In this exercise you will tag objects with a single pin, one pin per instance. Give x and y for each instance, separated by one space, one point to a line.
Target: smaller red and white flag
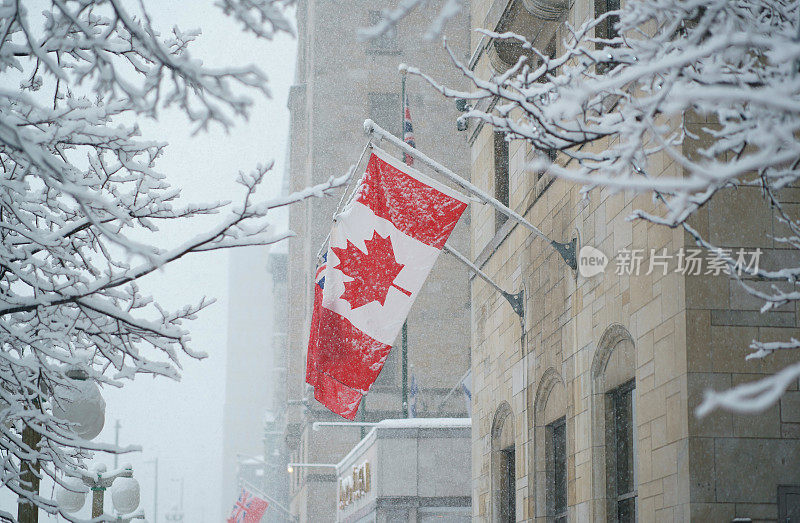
248 509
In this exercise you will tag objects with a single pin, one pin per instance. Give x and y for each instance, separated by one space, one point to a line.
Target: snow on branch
81 200
263 18
751 398
392 17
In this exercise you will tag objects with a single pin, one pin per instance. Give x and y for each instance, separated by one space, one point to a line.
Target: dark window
384 110
789 503
500 177
607 29
508 496
550 52
387 42
691 23
536 153
557 470
549 153
622 446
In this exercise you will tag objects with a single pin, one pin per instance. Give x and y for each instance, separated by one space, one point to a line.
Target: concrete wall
737 462
415 466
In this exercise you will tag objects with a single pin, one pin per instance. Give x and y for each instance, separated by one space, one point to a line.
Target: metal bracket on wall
567 251
517 301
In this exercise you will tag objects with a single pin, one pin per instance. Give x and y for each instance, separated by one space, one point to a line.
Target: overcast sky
181 423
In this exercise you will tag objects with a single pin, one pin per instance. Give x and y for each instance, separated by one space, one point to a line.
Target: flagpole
271 500
515 300
447 397
566 250
404 336
363 415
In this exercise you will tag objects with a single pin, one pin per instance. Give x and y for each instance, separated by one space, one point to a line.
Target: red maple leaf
373 272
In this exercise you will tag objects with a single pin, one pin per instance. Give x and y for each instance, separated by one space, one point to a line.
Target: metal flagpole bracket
567 251
517 301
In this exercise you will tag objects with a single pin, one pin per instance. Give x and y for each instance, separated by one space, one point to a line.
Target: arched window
504 470
550 449
614 425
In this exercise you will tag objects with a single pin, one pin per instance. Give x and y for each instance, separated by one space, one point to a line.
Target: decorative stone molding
552 10
612 339
549 379
538 420
536 20
502 438
501 414
614 334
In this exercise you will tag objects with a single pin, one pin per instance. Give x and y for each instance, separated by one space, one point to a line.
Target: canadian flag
381 249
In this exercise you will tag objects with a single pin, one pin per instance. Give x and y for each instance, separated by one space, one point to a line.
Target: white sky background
181 423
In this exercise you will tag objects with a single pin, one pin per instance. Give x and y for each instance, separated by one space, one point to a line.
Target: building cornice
540 18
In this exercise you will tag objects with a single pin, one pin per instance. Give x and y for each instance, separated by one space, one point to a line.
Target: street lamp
125 494
79 403
291 466
155 489
71 495
177 510
175 515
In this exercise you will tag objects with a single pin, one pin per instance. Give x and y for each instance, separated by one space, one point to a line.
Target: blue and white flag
412 398
466 388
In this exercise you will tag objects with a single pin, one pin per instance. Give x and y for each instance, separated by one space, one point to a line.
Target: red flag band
248 509
381 249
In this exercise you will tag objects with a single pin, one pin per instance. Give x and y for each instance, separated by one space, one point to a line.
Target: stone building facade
584 408
340 82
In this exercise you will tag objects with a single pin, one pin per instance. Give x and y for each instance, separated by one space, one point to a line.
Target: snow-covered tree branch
391 17
613 105
81 201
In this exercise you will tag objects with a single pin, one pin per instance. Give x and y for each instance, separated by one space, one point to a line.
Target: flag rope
440 408
244 483
339 207
515 300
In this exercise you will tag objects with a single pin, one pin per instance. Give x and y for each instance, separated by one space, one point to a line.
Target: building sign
355 486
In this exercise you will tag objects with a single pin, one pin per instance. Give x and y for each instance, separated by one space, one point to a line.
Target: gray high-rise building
340 82
250 350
